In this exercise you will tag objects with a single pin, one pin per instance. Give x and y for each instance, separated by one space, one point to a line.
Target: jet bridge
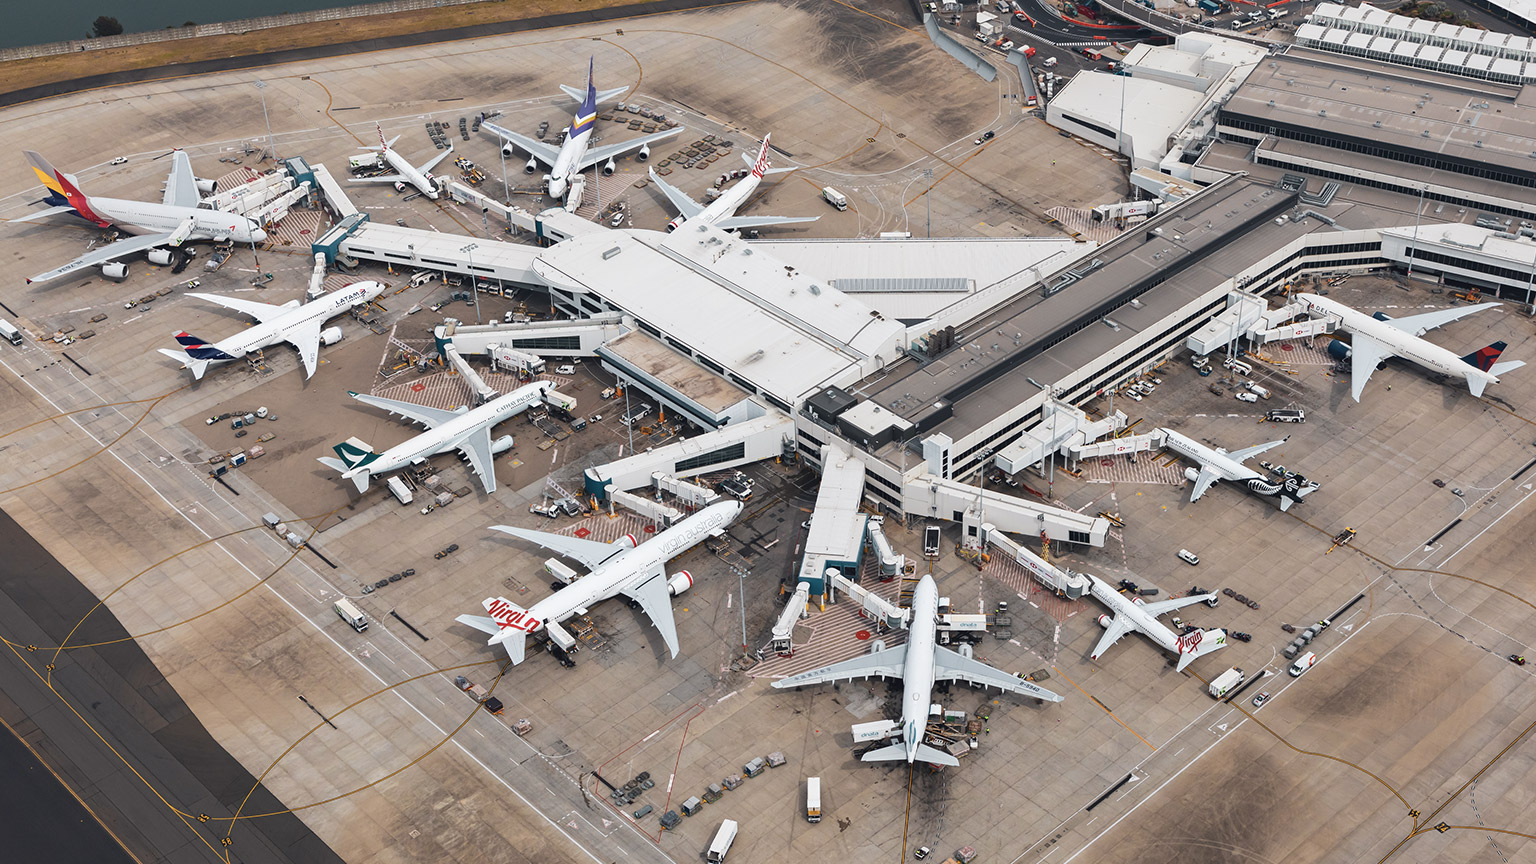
576 338
1125 446
783 631
1061 427
662 514
936 498
727 447
1063 582
695 495
483 391
884 612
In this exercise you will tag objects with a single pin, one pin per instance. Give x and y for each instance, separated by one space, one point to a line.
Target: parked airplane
469 432
1217 464
172 222
638 571
722 211
298 325
574 156
919 664
1379 337
1133 614
405 172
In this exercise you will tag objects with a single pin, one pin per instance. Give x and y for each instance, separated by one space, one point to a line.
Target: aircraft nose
258 235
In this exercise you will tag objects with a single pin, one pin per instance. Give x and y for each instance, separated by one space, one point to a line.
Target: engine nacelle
1382 316
159 256
399 186
1338 350
676 223
1104 621
681 581
532 166
207 187
1192 473
501 445
330 336
644 154
628 541
609 167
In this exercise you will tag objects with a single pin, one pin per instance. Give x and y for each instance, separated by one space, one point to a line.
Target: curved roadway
1045 22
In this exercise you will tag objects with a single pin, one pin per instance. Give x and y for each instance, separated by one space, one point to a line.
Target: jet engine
1104 621
206 187
501 445
644 154
681 581
330 336
532 166
1192 473
159 256
399 187
1338 350
609 167
628 540
676 223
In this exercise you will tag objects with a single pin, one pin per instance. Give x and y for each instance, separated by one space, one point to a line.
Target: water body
35 23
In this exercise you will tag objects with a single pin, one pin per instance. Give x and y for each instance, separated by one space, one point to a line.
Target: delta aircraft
576 154
1217 464
919 663
406 173
638 571
1379 337
722 211
170 223
299 325
1141 617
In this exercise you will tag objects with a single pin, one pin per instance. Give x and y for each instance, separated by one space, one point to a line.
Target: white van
722 842
1237 366
10 332
349 613
1188 557
422 277
1303 663
813 799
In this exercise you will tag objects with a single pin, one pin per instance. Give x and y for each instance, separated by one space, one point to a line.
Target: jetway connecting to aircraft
1065 583
1062 426
1248 317
483 391
576 338
937 498
1123 446
664 515
716 450
692 493
794 610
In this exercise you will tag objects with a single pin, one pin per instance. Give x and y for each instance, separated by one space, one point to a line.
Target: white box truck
722 842
1303 663
346 611
401 492
1226 682
10 331
835 198
813 799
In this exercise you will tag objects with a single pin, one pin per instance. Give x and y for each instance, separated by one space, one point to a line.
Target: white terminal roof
918 279
837 526
1150 112
782 330
1519 252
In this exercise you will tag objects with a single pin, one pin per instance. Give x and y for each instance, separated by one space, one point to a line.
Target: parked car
121 160
986 136
1247 397
1261 699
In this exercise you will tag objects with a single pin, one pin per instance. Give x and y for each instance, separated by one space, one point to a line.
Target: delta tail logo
1483 358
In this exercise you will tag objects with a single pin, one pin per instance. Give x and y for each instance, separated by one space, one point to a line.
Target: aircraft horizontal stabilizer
1498 369
479 622
198 367
893 753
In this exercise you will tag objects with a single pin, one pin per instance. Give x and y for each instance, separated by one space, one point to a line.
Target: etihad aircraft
722 211
919 663
299 325
468 432
1134 614
1217 464
638 571
406 173
170 223
576 154
1379 337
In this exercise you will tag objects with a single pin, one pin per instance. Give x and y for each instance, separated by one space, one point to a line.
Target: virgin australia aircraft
722 211
919 664
1142 617
621 567
406 173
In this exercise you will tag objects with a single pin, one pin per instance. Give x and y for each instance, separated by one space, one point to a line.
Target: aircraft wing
262 312
436 159
1364 355
681 201
181 186
878 664
952 666
306 338
652 595
734 222
610 151
51 211
476 447
109 252
590 553
428 417
1418 325
1118 626
1250 452
1203 482
382 178
1161 606
537 149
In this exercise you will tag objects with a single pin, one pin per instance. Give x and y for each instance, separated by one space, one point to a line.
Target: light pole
741 575
271 147
927 210
473 287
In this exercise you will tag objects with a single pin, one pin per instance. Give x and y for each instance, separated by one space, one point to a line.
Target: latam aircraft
722 211
638 571
1141 617
301 326
1217 464
576 154
170 223
1379 337
406 173
919 664
468 432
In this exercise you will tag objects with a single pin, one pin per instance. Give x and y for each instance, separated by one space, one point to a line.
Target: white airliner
1217 464
919 664
722 211
299 325
406 173
1142 617
639 572
172 222
1378 337
574 156
468 432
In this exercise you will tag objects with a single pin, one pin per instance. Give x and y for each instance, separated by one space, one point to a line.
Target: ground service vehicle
835 198
813 799
722 842
1286 415
11 333
1188 557
349 613
1224 683
1303 663
931 541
